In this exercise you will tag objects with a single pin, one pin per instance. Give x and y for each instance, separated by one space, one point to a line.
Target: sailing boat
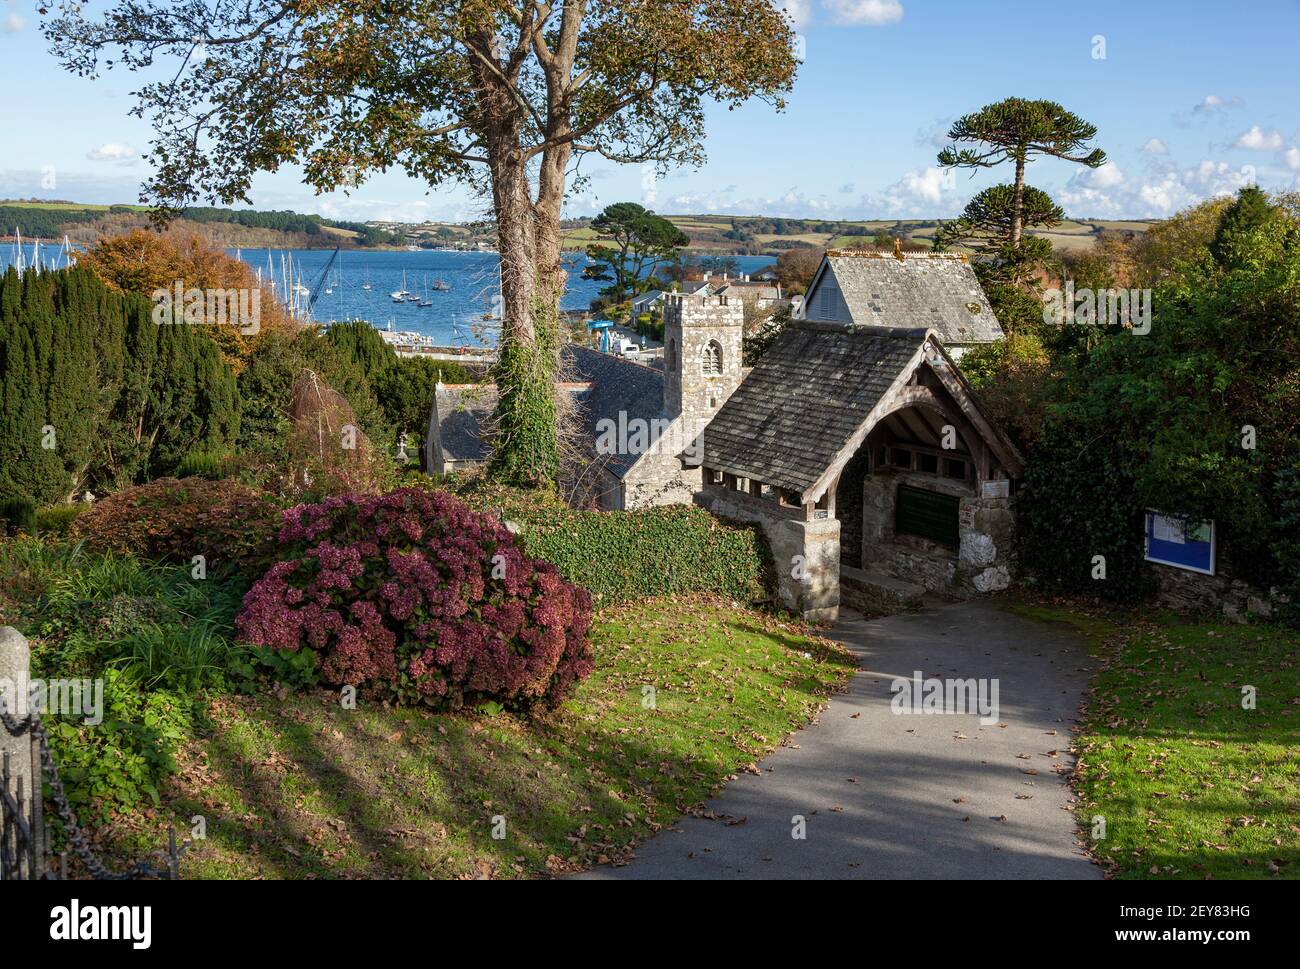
440 286
400 295
366 284
425 301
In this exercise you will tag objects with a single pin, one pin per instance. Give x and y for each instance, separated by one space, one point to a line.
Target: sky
1191 99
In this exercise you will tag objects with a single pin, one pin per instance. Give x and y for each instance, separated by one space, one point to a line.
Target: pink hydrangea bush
413 594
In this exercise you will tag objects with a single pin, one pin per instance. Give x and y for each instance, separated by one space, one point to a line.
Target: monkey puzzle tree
1013 130
988 224
503 95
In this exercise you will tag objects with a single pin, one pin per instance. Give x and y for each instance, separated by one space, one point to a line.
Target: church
855 443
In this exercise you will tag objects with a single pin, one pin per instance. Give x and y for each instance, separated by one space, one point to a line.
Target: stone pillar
987 532
814 592
15 674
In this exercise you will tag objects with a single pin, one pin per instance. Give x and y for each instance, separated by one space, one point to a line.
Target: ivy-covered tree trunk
526 450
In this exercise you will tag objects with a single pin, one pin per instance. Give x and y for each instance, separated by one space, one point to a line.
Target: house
859 449
934 290
653 301
759 296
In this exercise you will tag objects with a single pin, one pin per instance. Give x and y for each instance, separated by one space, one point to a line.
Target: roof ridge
914 333
905 256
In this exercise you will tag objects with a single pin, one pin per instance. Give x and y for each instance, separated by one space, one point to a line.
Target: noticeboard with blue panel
1180 542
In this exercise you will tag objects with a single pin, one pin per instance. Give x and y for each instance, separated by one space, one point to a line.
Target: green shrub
18 515
625 556
120 763
57 519
175 520
204 464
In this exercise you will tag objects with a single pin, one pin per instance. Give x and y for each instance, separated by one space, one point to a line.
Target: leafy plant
629 556
413 594
174 520
121 762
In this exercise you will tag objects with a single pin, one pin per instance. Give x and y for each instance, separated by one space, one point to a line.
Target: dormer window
712 362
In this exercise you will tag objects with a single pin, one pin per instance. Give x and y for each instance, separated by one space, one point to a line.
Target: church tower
702 354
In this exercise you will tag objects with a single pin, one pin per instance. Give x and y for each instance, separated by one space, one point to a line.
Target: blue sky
1191 99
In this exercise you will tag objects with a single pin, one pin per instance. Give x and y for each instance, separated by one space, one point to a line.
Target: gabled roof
934 290
816 393
648 297
807 395
462 410
604 386
617 386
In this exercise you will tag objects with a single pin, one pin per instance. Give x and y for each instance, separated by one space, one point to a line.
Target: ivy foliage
630 556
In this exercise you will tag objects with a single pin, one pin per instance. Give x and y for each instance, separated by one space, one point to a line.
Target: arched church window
713 359
670 356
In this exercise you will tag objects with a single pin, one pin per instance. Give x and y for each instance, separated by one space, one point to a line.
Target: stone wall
1222 594
806 554
659 478
986 530
987 527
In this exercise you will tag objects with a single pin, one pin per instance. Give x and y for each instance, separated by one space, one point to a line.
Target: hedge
621 556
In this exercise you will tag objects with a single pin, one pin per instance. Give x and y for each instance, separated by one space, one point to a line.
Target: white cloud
1155 147
1257 139
869 13
1213 102
13 23
114 151
1161 193
1292 158
1105 177
799 11
920 193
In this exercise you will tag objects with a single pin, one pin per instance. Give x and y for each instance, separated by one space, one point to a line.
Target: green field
706 232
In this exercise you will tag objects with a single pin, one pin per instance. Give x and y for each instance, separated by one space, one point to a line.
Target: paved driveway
920 796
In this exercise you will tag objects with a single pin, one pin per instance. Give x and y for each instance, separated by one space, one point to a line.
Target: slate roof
934 290
803 401
462 410
616 385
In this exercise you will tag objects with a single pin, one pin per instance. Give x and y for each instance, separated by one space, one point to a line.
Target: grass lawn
1190 784
298 787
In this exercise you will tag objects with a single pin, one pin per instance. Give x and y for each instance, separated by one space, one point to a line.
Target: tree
795 268
988 222
642 241
988 225
95 394
504 95
1248 211
1013 130
142 262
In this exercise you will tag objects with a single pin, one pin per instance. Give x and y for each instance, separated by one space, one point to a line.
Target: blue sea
464 314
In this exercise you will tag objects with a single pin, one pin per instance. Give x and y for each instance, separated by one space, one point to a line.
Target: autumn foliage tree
142 262
505 95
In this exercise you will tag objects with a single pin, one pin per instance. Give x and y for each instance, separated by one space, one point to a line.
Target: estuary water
465 313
